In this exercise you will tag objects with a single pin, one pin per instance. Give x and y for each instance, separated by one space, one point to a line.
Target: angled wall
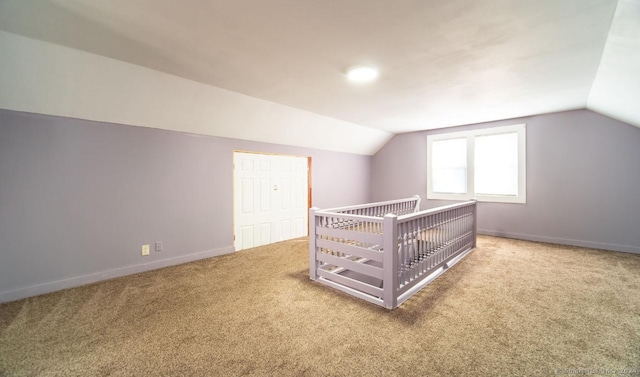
44 78
582 181
78 198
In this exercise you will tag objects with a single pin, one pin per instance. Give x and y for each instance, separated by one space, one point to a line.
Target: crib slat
352 292
355 284
444 265
365 269
373 239
350 250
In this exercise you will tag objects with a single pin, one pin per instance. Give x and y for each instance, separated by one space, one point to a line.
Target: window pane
496 164
449 166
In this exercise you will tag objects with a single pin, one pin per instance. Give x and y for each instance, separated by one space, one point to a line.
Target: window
450 166
487 165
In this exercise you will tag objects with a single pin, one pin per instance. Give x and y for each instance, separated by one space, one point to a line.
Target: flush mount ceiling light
362 73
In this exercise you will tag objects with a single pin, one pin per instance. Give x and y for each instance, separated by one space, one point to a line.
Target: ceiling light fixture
362 73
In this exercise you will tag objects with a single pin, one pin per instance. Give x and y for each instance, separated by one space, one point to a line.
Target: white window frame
521 197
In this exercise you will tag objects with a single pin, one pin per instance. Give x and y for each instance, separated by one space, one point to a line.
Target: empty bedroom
318 188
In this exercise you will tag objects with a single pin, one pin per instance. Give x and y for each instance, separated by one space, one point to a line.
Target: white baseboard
563 241
77 281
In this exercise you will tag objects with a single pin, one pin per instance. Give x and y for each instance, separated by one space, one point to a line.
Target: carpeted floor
511 308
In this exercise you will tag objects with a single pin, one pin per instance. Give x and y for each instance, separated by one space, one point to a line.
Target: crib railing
380 209
386 259
429 242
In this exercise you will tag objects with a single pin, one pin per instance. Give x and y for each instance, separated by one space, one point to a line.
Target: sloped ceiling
616 88
442 63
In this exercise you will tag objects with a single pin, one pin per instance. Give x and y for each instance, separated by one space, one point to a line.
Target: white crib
385 252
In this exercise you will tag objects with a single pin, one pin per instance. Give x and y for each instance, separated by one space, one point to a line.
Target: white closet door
270 198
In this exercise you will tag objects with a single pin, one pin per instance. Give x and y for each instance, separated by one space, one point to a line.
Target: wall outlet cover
159 246
145 249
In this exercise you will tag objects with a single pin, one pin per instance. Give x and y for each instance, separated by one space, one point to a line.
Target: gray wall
583 180
79 198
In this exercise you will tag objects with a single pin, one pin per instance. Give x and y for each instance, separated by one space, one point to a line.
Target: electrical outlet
145 249
159 246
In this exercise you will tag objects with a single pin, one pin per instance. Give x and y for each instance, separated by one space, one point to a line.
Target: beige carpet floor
511 308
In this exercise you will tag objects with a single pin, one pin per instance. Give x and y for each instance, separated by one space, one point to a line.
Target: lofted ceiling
442 63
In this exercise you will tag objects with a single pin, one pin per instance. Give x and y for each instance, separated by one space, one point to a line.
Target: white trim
77 281
520 129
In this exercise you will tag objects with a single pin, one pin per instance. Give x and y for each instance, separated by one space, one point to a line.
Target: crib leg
390 261
313 272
